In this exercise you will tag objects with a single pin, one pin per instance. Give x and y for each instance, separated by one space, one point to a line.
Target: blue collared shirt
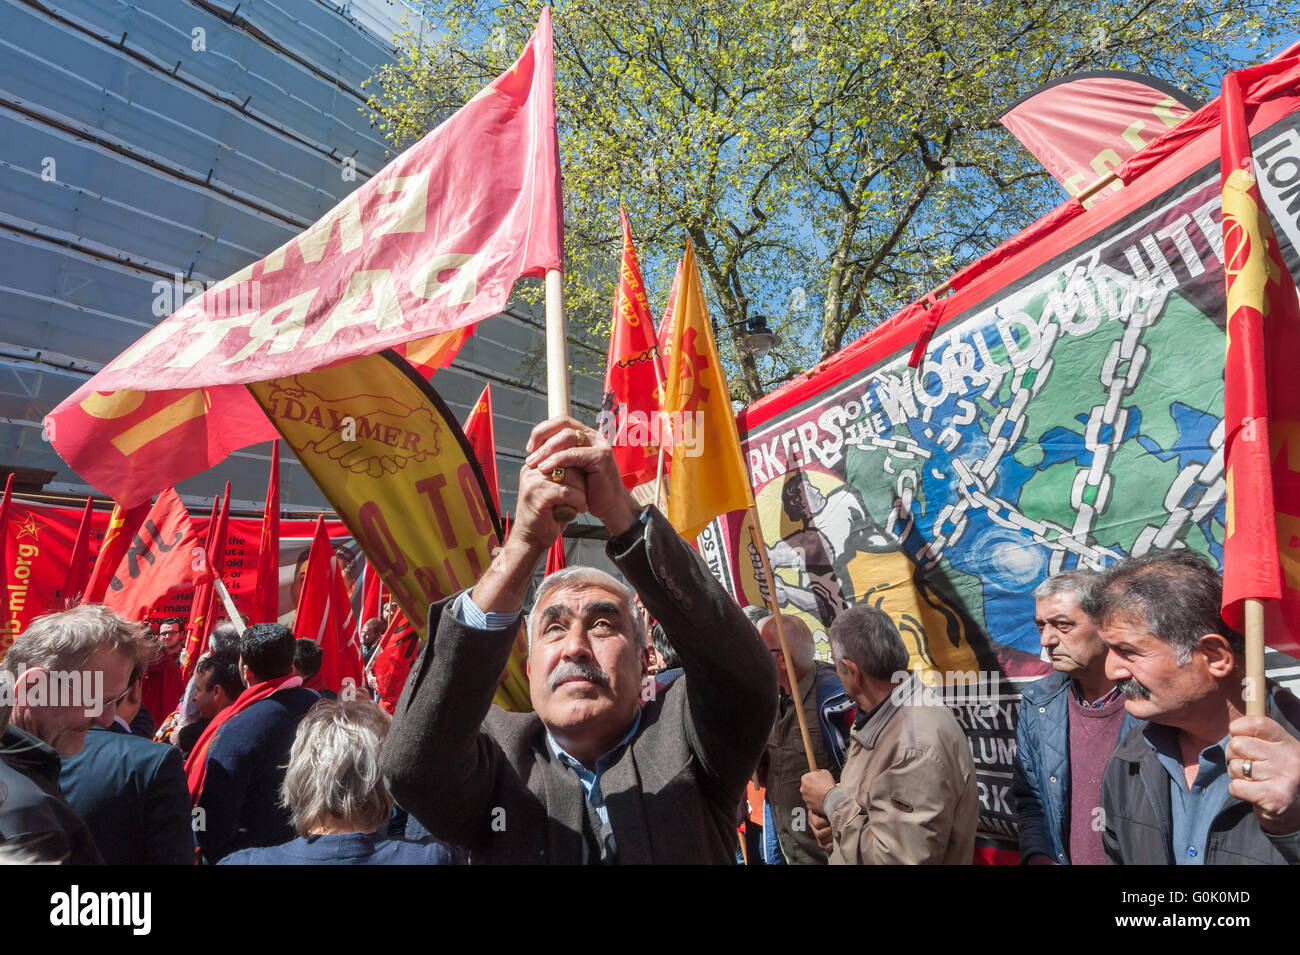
1194 809
591 780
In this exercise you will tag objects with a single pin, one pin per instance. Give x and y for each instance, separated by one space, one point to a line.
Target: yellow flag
708 474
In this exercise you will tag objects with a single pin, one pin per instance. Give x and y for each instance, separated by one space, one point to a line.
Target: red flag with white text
432 243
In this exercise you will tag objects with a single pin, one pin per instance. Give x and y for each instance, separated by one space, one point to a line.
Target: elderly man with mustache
609 768
1199 783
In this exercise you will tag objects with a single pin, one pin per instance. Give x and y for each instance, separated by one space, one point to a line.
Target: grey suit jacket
485 779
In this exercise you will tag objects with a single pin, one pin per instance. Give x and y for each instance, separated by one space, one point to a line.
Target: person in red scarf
237 766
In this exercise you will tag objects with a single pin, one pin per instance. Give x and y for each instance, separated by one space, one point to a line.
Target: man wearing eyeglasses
64 674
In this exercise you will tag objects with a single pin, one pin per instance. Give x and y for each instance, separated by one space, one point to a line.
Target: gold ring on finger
557 475
1247 765
579 436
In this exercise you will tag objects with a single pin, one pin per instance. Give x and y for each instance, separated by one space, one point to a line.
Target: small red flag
555 557
633 394
482 438
325 614
122 526
372 595
207 602
393 660
79 565
266 596
162 558
1261 405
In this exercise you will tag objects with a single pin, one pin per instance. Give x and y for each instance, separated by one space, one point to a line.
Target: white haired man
64 674
591 775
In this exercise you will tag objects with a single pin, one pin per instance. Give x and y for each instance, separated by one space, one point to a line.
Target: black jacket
132 794
33 812
485 779
247 759
1139 821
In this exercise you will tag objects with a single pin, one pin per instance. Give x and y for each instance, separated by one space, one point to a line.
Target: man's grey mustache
581 671
1132 689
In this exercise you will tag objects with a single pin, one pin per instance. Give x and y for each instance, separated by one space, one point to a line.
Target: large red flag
633 394
392 664
163 558
482 438
325 615
266 598
79 566
207 606
432 243
122 526
1261 404
8 625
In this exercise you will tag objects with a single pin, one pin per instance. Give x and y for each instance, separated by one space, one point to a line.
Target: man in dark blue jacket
1070 723
245 759
131 791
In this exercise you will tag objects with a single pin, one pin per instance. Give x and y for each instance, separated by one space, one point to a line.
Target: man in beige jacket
907 792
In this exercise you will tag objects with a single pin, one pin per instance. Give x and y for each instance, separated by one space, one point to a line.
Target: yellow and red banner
1261 405
395 465
708 474
430 245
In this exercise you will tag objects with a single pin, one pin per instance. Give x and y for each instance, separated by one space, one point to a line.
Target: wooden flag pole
1256 696
761 546
557 363
231 612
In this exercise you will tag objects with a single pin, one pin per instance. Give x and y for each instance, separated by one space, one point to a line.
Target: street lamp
759 339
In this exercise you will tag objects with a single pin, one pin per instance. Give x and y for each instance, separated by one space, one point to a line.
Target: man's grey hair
869 638
1082 583
798 638
65 641
573 577
1176 596
334 768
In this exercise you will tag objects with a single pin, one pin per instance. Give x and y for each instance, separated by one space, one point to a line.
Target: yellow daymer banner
391 459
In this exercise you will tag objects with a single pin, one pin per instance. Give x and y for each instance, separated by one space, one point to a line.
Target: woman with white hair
335 791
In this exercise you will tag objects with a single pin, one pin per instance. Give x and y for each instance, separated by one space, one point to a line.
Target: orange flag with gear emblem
708 475
1261 405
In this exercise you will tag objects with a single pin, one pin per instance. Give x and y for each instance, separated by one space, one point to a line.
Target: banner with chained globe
1067 413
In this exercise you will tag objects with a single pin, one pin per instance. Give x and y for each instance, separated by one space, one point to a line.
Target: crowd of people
655 703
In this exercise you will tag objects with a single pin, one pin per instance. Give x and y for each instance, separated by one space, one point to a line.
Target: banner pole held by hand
557 362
